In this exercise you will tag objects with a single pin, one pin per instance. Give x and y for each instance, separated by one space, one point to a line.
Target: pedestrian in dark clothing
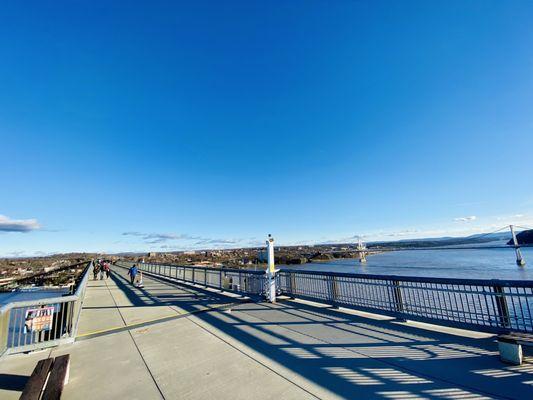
96 269
132 272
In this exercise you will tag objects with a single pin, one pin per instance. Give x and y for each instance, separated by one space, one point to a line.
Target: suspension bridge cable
461 244
476 237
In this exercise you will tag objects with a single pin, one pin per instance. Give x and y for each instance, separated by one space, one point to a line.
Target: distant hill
524 237
482 238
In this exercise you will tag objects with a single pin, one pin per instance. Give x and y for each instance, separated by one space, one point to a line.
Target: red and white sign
39 319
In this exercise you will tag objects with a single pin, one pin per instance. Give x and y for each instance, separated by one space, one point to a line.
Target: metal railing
37 324
242 281
484 305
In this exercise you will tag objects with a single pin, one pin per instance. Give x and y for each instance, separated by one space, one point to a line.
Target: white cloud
465 219
16 254
154 238
511 217
18 225
407 232
188 242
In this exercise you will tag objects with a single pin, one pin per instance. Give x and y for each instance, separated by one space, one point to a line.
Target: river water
33 294
473 264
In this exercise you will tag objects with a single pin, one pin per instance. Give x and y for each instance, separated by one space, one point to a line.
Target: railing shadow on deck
144 297
13 382
350 355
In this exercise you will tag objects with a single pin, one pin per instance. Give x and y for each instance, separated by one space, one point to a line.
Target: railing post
77 305
4 330
220 280
205 277
333 291
398 298
504 319
292 285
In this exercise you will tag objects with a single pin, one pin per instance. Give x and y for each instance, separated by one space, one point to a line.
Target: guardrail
485 305
38 276
37 324
245 282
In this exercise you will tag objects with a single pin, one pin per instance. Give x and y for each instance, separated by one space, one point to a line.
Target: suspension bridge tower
361 249
519 259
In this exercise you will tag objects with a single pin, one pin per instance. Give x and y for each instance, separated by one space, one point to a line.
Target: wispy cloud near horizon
18 225
154 238
465 219
188 241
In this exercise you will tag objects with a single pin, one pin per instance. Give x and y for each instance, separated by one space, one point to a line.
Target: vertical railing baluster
333 290
501 304
398 298
292 281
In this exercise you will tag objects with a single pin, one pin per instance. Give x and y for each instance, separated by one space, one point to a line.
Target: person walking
96 269
132 272
107 270
101 270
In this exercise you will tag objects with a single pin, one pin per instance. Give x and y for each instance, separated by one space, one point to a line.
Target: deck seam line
136 346
187 316
253 358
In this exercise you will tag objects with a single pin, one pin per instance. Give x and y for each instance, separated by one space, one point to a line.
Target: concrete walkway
174 341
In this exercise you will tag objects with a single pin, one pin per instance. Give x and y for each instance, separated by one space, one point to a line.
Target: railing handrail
224 269
49 300
451 281
42 274
490 305
64 328
400 278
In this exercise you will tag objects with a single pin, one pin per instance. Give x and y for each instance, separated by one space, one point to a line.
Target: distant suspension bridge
466 244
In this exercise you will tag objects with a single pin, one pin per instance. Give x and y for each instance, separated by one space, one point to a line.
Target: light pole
271 270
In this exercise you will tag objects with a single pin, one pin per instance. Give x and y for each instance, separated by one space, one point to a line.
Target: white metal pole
519 259
271 270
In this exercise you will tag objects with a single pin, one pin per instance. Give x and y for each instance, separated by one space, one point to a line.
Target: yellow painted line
130 325
100 331
148 321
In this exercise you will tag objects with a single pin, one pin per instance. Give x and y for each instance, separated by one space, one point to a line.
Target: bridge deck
175 341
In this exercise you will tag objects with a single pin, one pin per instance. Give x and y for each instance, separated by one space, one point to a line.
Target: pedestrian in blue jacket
132 272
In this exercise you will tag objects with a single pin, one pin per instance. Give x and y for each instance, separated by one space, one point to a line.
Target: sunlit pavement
174 341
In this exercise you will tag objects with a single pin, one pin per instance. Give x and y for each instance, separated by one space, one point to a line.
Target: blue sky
178 125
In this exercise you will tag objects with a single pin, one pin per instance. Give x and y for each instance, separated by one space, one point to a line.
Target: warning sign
39 319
